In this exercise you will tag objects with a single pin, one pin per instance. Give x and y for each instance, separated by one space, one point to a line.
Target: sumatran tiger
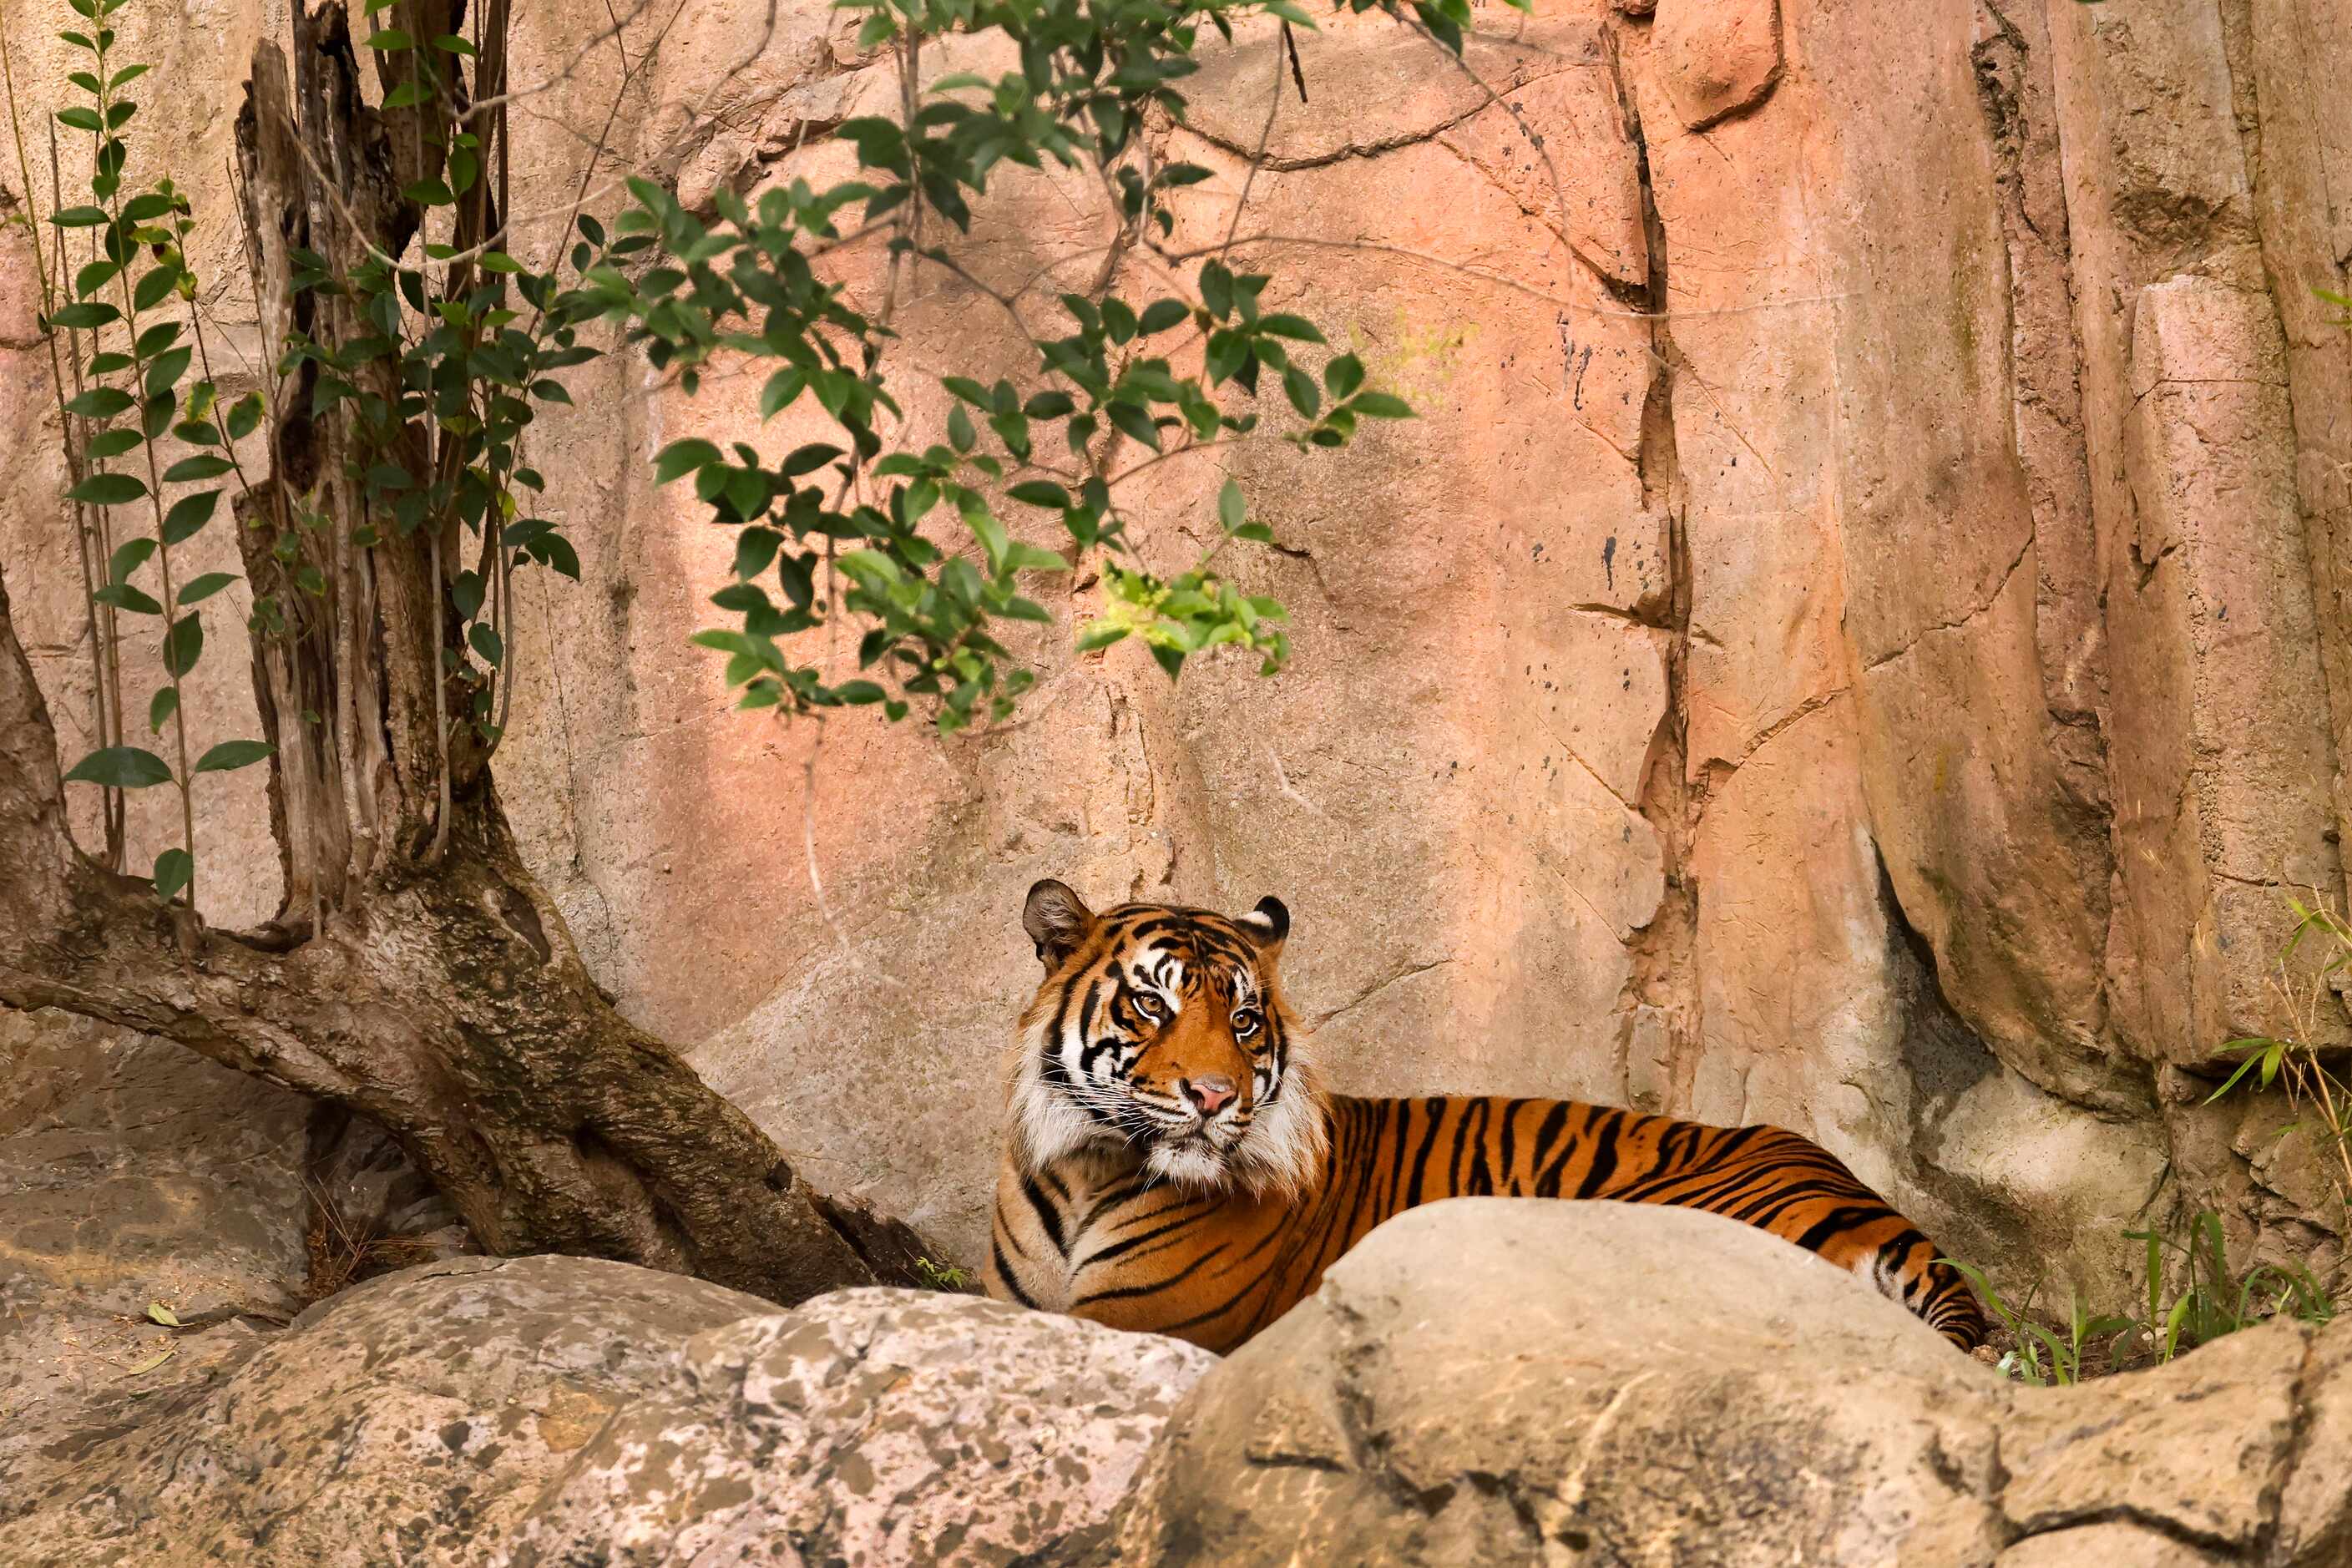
1173 1166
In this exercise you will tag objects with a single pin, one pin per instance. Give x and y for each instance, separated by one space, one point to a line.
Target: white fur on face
1279 1148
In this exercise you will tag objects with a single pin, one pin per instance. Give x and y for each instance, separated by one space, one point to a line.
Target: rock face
1482 1381
1604 1382
551 1410
1857 638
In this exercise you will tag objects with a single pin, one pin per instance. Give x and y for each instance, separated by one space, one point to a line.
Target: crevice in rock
1275 163
1966 618
1377 986
1663 977
2298 1436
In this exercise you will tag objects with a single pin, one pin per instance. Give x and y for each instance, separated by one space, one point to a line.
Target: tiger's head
1161 1030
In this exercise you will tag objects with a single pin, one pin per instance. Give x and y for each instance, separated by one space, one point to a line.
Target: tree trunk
416 975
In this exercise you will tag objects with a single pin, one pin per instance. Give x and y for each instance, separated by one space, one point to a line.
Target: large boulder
560 1410
1503 1381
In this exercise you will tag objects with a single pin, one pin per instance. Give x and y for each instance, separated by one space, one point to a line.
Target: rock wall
1855 640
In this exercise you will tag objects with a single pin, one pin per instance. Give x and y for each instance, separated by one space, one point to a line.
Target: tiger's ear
1269 924
1057 920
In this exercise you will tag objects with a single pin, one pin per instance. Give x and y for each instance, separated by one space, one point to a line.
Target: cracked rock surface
1600 1383
544 1411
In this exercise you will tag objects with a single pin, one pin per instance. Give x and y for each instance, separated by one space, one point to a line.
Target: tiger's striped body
1115 1206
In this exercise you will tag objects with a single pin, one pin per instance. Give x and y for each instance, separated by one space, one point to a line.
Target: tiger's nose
1209 1095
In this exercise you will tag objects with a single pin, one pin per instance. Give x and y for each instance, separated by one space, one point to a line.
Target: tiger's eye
1246 1022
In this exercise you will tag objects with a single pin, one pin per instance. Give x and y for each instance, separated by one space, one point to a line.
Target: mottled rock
413 1418
870 1428
556 1410
1496 1380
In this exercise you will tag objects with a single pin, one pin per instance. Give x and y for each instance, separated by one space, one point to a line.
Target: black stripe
1482 1178
1547 1181
1510 1135
1119 1248
1837 1220
1605 1134
1047 1214
1126 1291
1005 1272
1436 1110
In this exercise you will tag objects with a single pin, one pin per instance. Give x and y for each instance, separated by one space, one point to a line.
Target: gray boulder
560 1410
1510 1381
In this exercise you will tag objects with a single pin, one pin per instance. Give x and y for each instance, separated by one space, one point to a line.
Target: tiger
1173 1165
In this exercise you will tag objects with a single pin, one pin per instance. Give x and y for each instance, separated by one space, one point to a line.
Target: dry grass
344 1251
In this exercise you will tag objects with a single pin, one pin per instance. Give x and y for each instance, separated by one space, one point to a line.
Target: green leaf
1343 376
1101 634
230 755
205 587
80 217
1298 328
188 516
202 466
91 279
174 869
1381 406
123 596
89 315
754 549
392 40
162 1314
1041 492
781 388
1162 314
683 457
120 767
108 490
961 434
154 288
101 402
1300 387
486 642
184 644
164 703
167 369
243 415
128 558
1135 422
1232 507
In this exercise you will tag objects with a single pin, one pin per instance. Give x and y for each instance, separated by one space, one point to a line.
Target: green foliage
941 1276
1108 374
2189 1296
2041 1357
2210 1300
134 390
920 549
2305 996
